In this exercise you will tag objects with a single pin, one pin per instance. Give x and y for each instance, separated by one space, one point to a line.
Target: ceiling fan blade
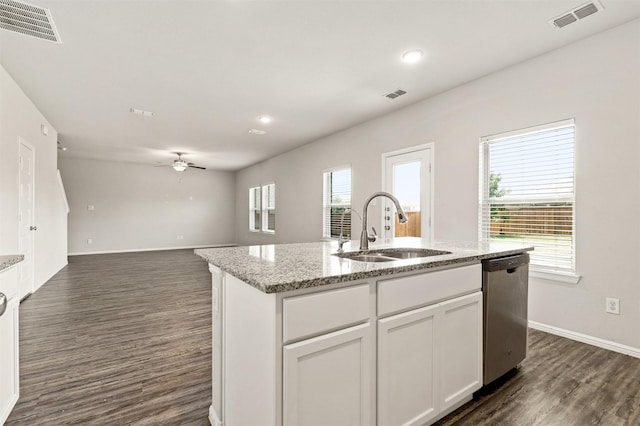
197 167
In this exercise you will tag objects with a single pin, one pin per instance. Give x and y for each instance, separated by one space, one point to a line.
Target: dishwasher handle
502 263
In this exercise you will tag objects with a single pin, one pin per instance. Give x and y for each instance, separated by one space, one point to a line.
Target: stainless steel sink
411 253
374 257
390 255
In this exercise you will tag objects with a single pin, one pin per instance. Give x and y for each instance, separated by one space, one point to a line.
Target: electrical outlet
90 207
613 306
89 240
181 237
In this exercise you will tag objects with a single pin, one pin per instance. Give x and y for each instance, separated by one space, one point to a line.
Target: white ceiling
208 69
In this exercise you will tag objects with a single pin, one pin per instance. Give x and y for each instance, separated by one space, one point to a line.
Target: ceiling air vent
580 12
395 94
564 20
27 19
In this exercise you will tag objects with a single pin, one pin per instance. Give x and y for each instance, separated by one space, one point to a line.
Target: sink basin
410 253
390 255
374 257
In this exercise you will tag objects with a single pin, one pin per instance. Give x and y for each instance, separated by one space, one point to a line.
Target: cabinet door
407 368
328 380
460 343
8 359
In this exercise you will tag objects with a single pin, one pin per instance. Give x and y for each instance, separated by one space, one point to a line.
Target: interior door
407 175
26 226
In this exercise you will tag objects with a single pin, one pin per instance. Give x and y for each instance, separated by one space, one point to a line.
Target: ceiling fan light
180 165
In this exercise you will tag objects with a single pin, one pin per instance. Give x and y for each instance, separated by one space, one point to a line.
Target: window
337 198
254 208
269 207
262 208
527 193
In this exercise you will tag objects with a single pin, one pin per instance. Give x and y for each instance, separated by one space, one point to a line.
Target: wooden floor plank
560 383
118 339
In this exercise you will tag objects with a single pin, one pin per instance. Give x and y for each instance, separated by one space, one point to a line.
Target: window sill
262 232
562 277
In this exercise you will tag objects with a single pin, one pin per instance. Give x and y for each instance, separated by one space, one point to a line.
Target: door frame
29 145
429 147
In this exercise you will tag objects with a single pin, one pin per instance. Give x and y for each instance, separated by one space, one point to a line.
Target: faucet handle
372 238
341 241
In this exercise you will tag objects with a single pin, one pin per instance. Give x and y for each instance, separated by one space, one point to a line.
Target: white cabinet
429 360
328 380
9 345
430 348
405 350
460 341
407 368
216 414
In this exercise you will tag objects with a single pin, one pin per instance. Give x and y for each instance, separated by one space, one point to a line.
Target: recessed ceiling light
257 132
264 119
141 112
412 56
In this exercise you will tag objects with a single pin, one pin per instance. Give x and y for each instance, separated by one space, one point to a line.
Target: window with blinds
527 192
262 208
269 207
336 200
254 208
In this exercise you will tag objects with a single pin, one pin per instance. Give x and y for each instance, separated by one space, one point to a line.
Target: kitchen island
9 304
7 261
304 336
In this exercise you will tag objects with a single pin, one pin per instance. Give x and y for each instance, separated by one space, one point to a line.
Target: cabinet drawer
418 290
316 313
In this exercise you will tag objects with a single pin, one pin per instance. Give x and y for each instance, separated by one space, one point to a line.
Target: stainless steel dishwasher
505 285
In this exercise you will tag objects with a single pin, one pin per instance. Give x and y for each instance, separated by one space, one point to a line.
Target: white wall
596 81
141 207
19 117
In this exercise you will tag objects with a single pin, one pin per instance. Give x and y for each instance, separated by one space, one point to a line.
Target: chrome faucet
365 238
340 240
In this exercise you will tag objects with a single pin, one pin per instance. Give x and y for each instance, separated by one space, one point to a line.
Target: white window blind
269 207
262 208
337 198
254 208
527 192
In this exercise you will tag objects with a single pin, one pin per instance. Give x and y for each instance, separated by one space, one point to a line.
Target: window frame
558 273
327 204
255 208
266 209
259 210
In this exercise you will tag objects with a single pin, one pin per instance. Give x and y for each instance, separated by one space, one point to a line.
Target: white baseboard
213 417
590 340
151 249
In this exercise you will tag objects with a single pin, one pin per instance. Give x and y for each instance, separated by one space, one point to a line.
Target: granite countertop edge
7 261
271 276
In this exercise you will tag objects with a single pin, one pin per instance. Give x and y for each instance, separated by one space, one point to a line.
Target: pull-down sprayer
364 236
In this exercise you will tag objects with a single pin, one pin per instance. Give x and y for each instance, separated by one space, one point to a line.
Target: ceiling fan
181 165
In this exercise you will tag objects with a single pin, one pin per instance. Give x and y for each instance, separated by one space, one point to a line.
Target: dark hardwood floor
560 383
118 339
124 339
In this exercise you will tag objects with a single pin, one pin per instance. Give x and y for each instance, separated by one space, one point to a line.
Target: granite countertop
283 267
8 261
